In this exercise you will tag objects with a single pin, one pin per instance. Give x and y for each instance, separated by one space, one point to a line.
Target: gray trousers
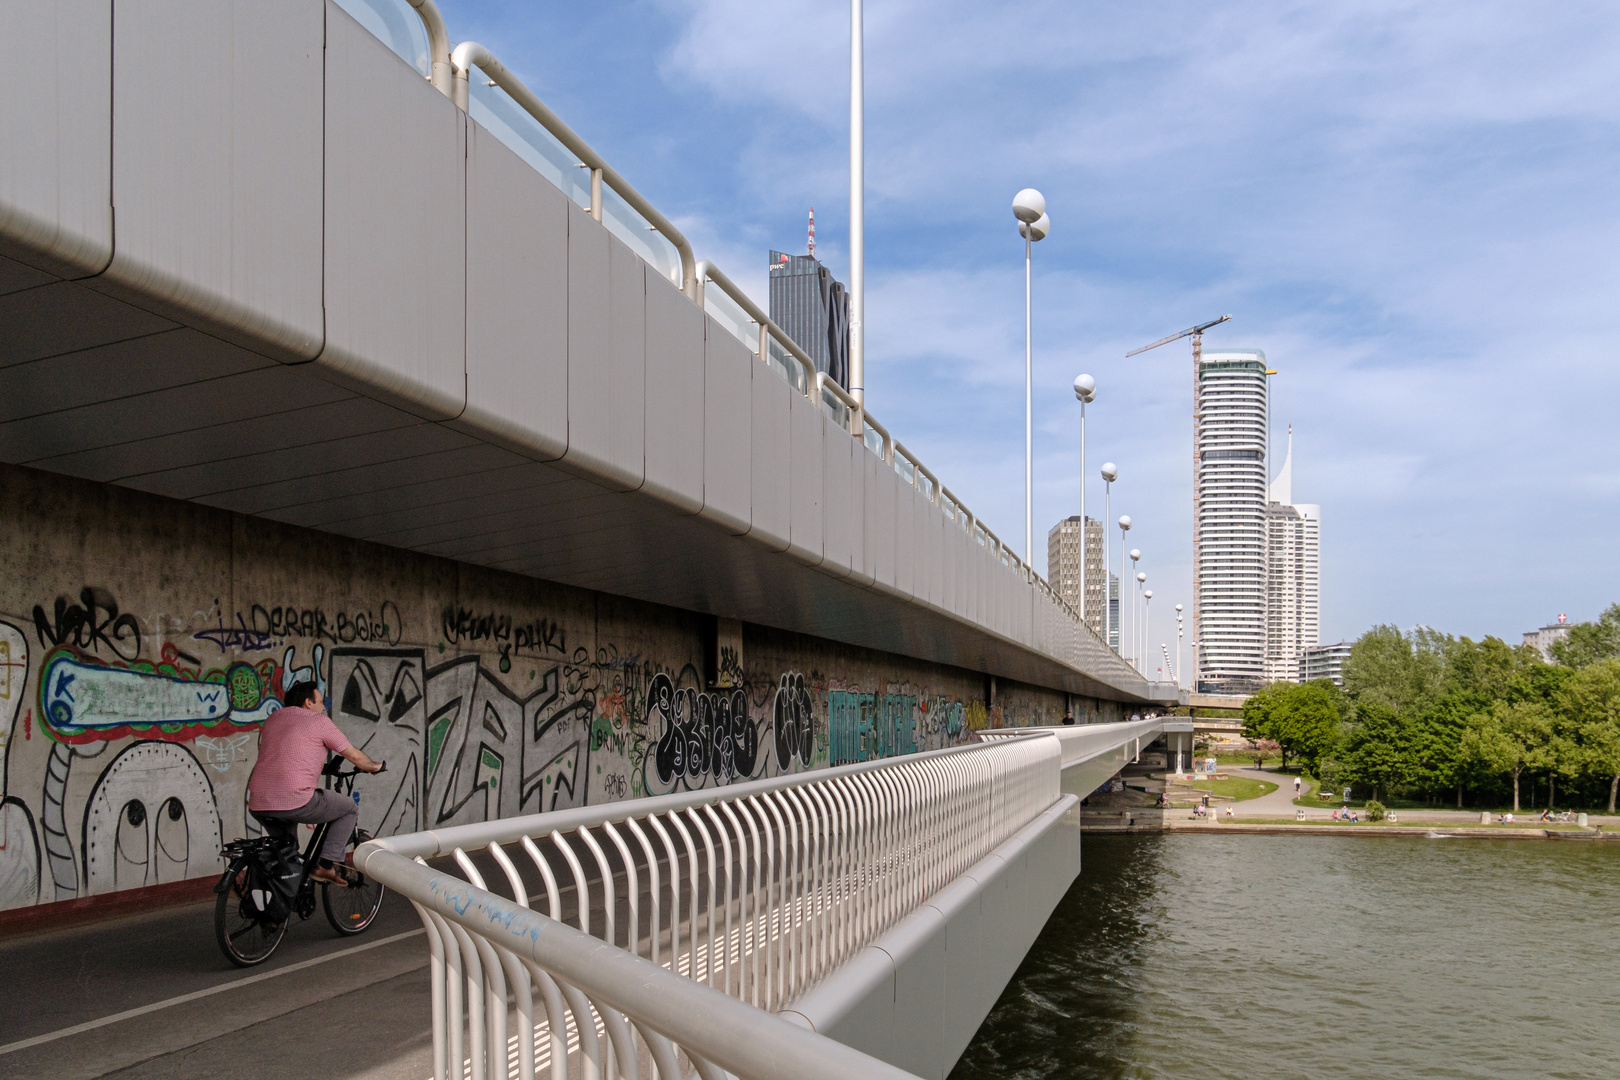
341 810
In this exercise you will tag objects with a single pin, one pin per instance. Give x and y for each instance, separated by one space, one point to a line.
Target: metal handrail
1079 743
469 54
706 272
966 516
917 467
639 1015
449 73
857 412
882 432
440 72
760 889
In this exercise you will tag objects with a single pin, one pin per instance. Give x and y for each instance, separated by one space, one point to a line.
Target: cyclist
283 791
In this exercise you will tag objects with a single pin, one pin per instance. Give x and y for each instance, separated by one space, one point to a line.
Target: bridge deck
329 297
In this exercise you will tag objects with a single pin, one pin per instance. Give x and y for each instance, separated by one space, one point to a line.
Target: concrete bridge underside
286 277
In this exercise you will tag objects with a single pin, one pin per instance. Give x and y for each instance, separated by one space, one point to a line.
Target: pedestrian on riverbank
1297 785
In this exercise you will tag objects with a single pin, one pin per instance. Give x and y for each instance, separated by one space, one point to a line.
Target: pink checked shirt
292 751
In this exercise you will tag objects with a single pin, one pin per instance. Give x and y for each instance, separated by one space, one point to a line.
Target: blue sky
1410 207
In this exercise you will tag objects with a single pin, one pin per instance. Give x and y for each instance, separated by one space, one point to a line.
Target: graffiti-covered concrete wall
144 640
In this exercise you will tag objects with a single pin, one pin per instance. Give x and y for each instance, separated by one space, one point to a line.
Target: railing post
440 69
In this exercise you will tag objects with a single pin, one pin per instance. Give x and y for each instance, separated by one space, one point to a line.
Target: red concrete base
39 918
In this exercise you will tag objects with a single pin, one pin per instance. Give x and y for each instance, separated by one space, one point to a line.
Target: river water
1328 958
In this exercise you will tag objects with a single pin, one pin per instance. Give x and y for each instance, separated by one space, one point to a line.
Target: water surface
1319 957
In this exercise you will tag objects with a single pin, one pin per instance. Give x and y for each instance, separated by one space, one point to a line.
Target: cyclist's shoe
332 875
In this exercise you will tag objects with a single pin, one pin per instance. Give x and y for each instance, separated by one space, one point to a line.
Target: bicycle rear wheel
243 935
351 909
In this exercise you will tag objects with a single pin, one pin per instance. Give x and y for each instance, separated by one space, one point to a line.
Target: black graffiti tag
795 723
91 623
701 734
384 627
540 636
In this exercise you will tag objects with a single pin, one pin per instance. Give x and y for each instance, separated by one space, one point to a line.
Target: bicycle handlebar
334 768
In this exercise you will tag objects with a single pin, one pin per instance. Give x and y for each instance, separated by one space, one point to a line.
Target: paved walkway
1280 804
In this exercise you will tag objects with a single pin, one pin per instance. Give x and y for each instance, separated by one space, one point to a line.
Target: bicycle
265 884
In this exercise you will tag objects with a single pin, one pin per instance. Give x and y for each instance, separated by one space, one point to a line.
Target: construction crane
1197 335
1194 332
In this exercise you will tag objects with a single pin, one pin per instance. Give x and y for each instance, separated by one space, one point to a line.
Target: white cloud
1408 205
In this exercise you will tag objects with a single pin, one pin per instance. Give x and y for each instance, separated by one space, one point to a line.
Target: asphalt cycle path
151 996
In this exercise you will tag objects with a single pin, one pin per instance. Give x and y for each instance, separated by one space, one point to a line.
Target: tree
1379 751
1487 670
1591 642
1485 750
1404 673
1259 716
1434 740
1305 721
1510 739
1590 701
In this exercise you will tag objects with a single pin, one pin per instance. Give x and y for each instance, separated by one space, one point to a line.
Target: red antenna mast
812 232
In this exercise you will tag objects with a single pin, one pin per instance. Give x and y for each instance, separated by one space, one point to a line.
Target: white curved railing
657 909
1079 743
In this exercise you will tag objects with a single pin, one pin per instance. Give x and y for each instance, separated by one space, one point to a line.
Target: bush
1375 810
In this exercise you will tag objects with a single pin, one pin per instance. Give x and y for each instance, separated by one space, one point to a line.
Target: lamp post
1085 390
857 205
1124 527
1178 646
1029 207
1137 641
1147 624
1110 473
1136 591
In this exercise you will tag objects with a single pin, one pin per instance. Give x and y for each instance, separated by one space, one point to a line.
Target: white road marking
156 1006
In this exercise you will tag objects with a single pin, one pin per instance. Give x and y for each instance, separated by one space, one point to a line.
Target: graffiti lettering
794 722
867 726
86 700
91 623
701 735
384 627
240 637
539 637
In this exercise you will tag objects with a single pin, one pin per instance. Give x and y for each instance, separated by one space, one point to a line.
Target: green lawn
1413 824
1237 788
1245 761
1307 794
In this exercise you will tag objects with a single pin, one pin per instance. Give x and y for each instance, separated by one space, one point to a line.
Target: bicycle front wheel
244 936
351 909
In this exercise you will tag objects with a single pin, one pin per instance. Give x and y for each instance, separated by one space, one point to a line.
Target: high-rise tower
1229 624
1066 546
1293 575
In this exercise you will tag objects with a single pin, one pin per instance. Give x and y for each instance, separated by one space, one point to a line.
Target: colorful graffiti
864 726
125 759
84 699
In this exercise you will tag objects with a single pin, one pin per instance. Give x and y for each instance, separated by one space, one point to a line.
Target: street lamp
857 205
1029 207
1136 620
1124 527
1110 473
1147 624
1178 646
1085 391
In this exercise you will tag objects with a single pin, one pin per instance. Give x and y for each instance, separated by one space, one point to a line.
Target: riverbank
1149 820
